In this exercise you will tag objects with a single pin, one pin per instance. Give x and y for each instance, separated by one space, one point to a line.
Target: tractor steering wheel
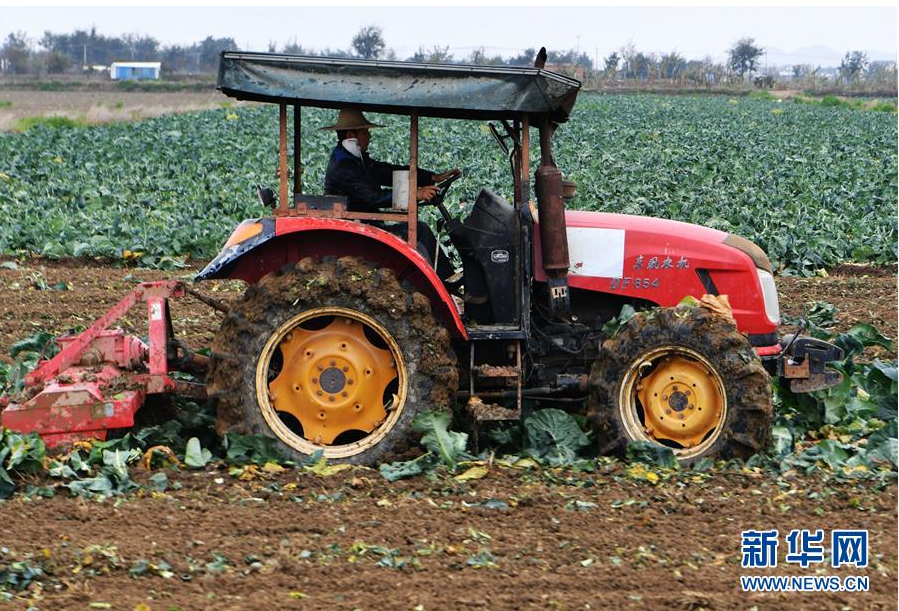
442 190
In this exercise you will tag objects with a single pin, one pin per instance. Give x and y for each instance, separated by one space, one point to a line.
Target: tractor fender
259 246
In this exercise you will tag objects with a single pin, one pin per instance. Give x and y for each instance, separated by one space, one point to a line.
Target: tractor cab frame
513 99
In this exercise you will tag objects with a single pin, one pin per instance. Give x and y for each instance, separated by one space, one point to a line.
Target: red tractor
346 333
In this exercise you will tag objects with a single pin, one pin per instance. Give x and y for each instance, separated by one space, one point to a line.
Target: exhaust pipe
551 215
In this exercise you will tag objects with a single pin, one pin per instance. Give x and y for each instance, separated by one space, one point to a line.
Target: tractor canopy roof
430 90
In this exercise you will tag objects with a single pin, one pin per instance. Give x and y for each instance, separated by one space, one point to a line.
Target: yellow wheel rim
673 395
332 371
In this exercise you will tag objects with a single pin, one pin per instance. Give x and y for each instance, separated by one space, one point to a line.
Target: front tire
685 378
331 356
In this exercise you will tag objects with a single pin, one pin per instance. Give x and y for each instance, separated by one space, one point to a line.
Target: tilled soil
513 540
862 294
353 541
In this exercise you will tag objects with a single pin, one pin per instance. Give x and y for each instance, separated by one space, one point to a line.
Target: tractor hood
662 261
642 235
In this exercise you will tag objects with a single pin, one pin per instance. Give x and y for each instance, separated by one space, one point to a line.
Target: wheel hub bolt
691 406
681 416
667 411
331 398
318 393
315 380
664 397
333 363
687 392
350 381
674 388
343 394
320 368
345 368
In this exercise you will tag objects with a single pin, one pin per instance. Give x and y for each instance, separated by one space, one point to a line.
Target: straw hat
349 119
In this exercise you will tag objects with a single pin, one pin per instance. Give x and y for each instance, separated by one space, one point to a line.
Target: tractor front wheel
332 356
685 378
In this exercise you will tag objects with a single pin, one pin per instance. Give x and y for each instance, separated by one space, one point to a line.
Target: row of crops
814 186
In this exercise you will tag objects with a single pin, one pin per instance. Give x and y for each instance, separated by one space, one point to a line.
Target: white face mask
352 147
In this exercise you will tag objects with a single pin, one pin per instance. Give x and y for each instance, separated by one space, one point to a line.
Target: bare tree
628 54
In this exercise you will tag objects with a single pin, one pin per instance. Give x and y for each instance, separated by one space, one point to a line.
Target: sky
806 34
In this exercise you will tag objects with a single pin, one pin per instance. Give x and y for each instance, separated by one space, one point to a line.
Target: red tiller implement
100 377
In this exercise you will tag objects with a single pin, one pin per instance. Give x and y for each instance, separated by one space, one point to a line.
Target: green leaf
446 445
7 486
828 451
554 436
195 456
26 452
410 468
257 449
614 325
782 440
41 343
868 335
650 453
883 445
159 482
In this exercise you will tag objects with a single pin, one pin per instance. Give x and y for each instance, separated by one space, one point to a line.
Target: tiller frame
101 377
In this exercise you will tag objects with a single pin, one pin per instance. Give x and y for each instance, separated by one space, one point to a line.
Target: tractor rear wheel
332 356
685 378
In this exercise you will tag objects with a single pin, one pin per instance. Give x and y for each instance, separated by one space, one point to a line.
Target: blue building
134 71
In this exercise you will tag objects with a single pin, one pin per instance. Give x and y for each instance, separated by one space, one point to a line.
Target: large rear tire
333 356
685 378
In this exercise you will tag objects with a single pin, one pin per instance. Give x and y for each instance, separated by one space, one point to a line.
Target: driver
353 173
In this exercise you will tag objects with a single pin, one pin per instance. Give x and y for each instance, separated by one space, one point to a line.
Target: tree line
60 53
81 49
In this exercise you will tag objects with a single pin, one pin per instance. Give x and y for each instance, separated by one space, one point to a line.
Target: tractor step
497 371
483 412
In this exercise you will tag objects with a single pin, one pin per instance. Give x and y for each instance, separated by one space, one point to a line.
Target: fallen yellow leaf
473 473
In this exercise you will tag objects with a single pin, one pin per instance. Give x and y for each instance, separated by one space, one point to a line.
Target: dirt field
862 294
513 540
517 539
101 106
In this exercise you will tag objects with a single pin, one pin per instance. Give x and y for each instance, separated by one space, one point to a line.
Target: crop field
174 517
813 186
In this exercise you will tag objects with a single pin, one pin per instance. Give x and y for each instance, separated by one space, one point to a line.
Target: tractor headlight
769 294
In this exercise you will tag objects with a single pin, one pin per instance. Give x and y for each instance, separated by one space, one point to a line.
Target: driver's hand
448 174
426 193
